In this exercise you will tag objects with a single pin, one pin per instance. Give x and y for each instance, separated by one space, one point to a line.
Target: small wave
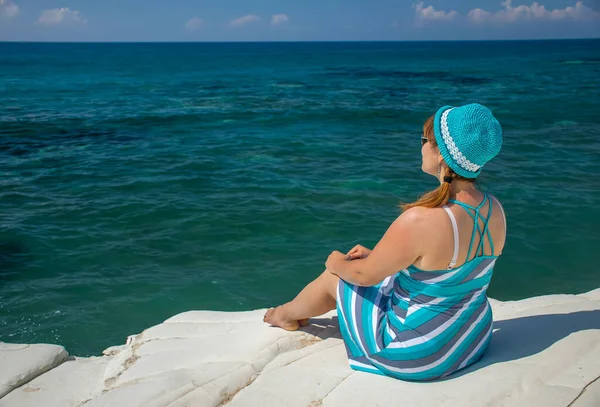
372 73
581 61
19 140
260 158
288 85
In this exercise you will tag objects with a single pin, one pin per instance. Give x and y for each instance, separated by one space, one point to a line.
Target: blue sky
295 20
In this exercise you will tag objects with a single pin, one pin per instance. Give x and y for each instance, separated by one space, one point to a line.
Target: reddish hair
440 195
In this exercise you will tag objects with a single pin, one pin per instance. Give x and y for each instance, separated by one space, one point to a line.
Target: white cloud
61 16
536 11
193 24
8 9
244 20
478 15
429 13
279 19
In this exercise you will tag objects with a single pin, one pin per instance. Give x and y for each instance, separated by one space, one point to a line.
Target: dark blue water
142 180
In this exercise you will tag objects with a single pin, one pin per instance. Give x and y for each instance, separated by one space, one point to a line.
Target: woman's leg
317 298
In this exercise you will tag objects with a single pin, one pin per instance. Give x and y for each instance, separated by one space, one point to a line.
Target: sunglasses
423 140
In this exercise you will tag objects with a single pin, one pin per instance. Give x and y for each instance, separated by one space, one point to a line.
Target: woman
415 307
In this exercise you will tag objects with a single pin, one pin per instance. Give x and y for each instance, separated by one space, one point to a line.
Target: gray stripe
480 337
427 275
430 275
438 320
349 317
399 290
388 288
381 314
399 312
478 269
423 299
437 355
348 351
363 360
404 335
341 293
358 318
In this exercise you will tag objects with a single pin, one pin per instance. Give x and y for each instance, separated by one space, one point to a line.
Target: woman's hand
334 260
358 252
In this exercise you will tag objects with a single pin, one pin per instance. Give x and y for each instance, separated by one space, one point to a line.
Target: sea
141 180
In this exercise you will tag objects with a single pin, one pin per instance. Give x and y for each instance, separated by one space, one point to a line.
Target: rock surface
21 363
545 351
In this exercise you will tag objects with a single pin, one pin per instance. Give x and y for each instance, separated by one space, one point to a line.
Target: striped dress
422 325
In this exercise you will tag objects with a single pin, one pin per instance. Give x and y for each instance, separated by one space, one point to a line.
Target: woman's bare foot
275 317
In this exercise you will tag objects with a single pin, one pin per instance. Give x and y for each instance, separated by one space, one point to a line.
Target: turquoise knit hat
468 137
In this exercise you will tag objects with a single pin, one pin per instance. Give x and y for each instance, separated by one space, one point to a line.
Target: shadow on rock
526 336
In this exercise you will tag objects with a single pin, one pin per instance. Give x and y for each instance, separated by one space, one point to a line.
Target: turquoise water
142 180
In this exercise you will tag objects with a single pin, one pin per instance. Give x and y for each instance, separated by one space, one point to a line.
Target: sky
296 20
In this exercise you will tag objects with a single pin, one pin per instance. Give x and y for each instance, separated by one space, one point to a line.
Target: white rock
217 317
545 351
113 350
166 387
300 383
594 294
68 385
590 397
21 363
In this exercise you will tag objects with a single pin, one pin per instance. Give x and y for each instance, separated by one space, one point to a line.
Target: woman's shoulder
421 212
496 200
422 218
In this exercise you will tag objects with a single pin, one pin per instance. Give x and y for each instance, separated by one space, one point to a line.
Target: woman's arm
399 247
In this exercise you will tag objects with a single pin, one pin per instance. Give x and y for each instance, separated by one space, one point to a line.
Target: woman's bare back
439 239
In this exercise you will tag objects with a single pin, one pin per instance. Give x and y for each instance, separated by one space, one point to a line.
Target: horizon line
294 41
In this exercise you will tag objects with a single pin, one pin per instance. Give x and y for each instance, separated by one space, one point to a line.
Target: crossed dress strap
477 229
476 216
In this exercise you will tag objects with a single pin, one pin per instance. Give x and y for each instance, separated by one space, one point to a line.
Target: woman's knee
331 281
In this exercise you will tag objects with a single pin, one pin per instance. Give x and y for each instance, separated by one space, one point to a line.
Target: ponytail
437 197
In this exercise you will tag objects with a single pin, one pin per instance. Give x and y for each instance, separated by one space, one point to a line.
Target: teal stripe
395 321
443 367
434 345
413 285
481 350
347 302
387 338
354 350
458 352
400 303
459 290
425 314
367 314
421 287
352 322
